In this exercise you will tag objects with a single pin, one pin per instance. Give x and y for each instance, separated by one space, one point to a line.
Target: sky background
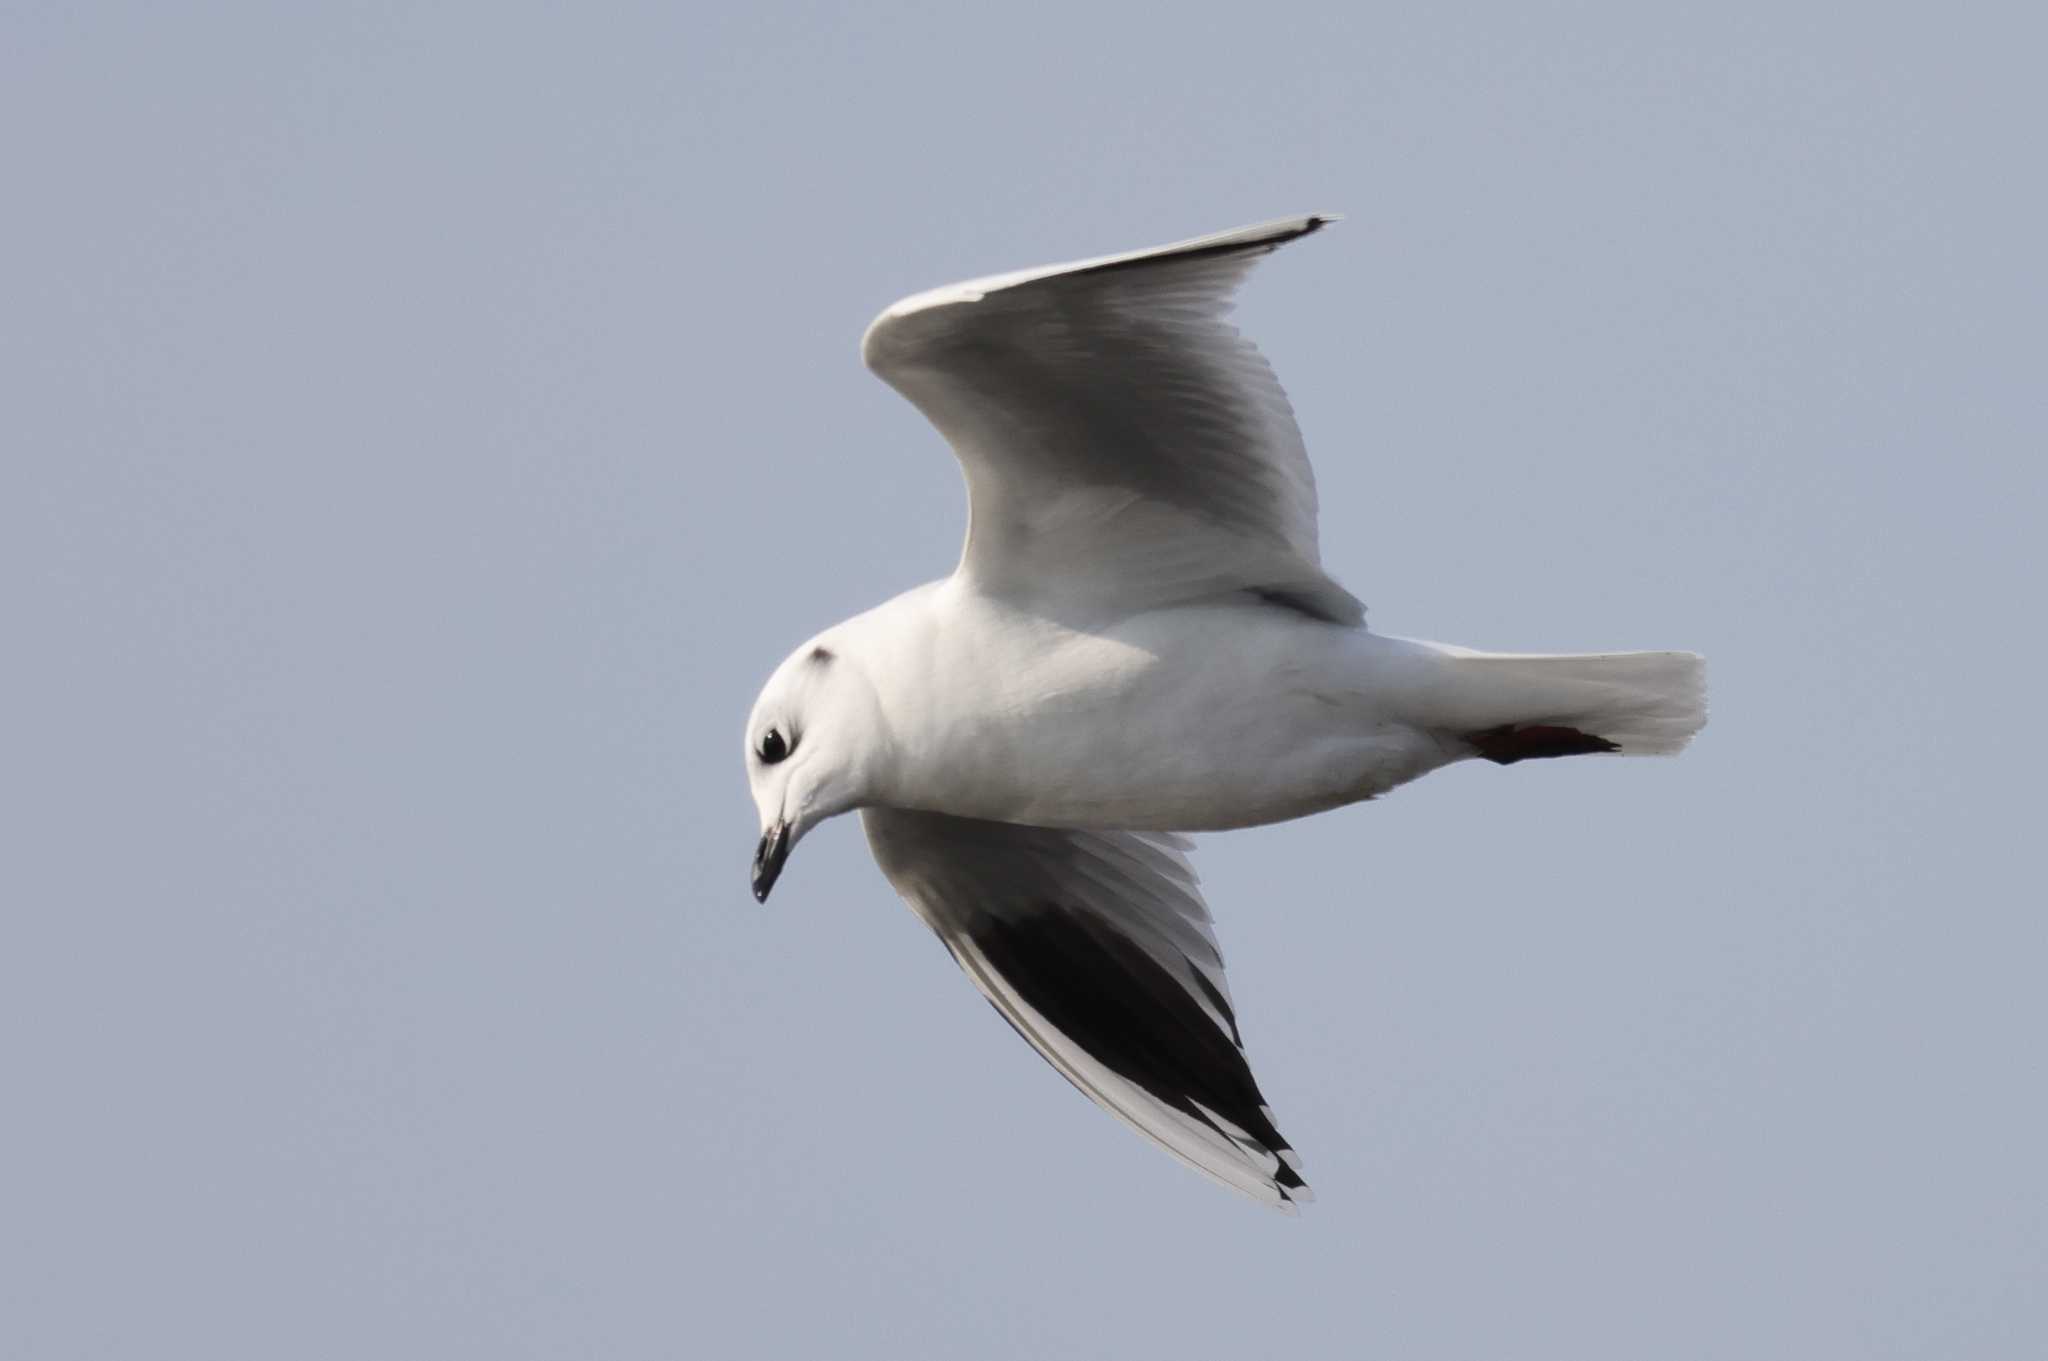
426 427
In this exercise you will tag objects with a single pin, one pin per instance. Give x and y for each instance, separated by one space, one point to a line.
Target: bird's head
812 746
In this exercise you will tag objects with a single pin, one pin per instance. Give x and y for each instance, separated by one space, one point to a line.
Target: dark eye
773 748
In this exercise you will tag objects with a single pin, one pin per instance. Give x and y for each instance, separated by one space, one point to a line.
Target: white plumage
1139 640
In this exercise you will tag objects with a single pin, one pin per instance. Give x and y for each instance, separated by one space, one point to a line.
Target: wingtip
1292 1198
1308 224
1281 230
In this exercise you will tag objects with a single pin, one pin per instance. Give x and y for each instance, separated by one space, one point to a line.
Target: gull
1139 642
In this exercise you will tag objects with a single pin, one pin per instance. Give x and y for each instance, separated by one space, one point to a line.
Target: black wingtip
1287 229
1306 225
1258 239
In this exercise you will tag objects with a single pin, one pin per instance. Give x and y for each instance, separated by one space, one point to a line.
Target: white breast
1192 719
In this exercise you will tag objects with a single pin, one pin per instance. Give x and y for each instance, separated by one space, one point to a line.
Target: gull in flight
1139 642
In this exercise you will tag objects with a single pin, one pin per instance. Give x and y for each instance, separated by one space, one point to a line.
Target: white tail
1645 703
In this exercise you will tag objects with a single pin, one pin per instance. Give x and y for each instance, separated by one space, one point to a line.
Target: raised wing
1124 446
1096 947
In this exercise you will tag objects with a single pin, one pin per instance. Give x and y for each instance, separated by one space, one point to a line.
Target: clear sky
425 427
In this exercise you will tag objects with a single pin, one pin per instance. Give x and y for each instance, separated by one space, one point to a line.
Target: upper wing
1124 446
1097 948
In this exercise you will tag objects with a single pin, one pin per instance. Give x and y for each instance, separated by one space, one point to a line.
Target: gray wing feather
1123 445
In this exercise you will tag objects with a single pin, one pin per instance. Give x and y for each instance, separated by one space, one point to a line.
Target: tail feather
1634 703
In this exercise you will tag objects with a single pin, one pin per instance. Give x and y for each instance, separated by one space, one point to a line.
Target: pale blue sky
426 429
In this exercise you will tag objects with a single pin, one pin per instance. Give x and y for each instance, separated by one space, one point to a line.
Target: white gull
1139 641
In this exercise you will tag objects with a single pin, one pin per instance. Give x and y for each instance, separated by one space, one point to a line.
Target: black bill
768 859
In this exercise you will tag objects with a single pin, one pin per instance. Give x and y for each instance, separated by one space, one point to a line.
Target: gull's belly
1195 719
